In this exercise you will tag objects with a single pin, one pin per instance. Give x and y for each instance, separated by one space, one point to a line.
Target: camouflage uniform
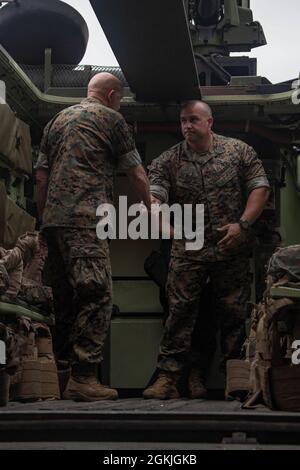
14 260
220 179
81 148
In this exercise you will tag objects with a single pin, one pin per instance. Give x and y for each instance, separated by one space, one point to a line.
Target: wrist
244 224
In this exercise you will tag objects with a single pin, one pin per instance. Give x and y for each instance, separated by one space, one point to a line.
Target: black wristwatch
244 224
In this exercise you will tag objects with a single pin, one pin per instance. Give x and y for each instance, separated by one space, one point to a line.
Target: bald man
226 176
80 150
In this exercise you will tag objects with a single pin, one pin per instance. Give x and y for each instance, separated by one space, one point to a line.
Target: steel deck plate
137 421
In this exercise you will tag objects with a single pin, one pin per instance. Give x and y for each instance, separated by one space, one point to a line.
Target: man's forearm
42 190
164 226
41 199
140 183
255 204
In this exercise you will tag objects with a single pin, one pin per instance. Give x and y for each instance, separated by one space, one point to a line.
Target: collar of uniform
203 157
90 99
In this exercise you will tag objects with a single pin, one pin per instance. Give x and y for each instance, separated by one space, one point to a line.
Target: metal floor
132 405
145 424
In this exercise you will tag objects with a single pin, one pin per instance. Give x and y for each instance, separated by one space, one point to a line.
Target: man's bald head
199 106
106 88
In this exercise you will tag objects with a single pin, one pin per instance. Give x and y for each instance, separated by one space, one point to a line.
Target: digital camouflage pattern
203 343
21 272
285 263
220 179
14 260
15 338
4 279
230 282
28 244
81 147
80 271
37 295
32 289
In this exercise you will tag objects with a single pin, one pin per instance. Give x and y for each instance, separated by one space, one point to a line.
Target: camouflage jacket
80 148
221 179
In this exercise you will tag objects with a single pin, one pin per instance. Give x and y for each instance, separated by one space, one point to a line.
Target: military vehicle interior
169 52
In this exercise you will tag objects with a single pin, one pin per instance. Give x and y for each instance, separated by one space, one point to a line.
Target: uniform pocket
91 277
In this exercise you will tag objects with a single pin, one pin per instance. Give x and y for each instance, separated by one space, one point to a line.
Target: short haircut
206 106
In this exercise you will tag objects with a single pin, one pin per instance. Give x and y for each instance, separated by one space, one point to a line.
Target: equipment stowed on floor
30 372
269 375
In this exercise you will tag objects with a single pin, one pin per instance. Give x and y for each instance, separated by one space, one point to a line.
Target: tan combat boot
164 388
196 385
83 385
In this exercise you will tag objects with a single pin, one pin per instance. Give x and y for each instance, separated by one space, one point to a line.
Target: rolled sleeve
159 192
42 162
253 172
259 182
129 160
124 148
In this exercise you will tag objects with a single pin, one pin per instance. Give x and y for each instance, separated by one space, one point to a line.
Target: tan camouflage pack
30 373
21 272
275 323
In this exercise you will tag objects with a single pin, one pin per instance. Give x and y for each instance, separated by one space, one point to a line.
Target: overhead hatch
151 41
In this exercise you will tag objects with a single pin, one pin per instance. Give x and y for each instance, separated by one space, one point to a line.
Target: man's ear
110 95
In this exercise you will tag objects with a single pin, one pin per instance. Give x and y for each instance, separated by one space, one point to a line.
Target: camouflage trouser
80 272
231 283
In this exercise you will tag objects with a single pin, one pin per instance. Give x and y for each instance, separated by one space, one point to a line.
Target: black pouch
156 266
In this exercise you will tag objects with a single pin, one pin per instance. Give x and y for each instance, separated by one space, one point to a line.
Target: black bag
156 266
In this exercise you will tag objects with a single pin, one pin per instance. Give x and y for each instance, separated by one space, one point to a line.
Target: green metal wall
290 212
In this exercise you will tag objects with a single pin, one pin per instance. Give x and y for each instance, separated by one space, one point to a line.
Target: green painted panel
133 349
290 212
128 256
278 292
139 296
14 311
